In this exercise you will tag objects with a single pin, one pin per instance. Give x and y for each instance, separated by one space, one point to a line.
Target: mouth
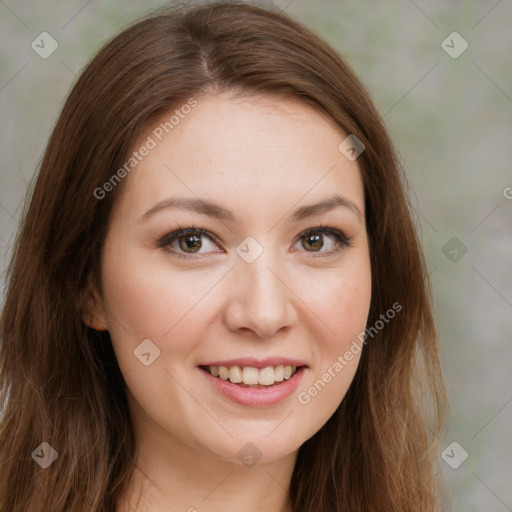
251 376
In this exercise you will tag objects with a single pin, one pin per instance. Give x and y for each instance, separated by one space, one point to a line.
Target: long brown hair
60 382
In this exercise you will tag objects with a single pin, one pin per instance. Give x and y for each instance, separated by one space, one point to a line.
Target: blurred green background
451 119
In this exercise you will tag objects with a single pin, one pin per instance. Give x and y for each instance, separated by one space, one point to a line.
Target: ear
93 310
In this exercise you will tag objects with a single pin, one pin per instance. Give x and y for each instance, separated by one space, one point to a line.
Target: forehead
246 152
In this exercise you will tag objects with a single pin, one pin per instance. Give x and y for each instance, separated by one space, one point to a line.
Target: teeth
235 374
266 376
251 376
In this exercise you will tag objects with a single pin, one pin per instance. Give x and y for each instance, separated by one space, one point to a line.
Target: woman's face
253 295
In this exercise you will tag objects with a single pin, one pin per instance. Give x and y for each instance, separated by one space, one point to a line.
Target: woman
217 298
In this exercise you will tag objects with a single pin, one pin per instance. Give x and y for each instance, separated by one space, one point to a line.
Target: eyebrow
211 209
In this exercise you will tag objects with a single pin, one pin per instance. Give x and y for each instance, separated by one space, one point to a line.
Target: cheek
345 313
350 306
146 299
341 304
348 318
341 301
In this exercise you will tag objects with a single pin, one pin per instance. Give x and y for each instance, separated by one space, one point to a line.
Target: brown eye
313 242
323 240
189 243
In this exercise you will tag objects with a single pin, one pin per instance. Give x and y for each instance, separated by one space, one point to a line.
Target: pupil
191 242
312 239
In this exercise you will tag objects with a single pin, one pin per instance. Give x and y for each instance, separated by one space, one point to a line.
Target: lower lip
255 397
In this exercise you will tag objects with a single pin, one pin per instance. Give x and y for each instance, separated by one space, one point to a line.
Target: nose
260 298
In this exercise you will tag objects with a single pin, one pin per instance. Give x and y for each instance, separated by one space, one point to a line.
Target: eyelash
342 239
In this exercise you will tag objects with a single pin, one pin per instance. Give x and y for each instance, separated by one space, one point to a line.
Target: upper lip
257 363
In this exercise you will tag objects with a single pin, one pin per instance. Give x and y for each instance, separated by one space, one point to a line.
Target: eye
188 241
314 239
185 242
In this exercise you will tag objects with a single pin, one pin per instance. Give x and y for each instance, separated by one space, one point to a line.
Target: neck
208 486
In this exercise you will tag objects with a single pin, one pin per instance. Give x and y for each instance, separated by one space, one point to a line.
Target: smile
254 383
250 376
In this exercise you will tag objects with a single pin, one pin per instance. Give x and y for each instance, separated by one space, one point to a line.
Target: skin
262 159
